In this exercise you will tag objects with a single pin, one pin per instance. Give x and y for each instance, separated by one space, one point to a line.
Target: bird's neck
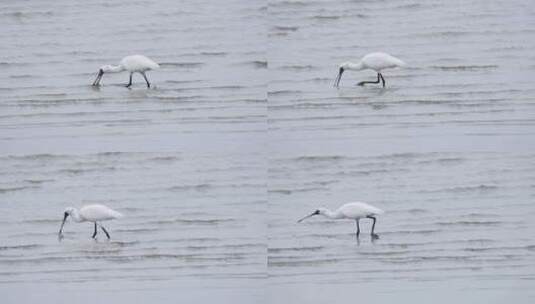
116 69
76 216
330 214
355 66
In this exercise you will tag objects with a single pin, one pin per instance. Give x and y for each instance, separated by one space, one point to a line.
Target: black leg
364 82
106 232
130 82
374 236
358 227
145 76
95 233
382 79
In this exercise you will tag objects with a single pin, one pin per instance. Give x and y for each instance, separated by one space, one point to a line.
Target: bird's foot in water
375 236
361 83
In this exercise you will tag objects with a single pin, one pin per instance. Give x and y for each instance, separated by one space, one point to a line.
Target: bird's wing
396 61
98 213
381 61
359 209
138 63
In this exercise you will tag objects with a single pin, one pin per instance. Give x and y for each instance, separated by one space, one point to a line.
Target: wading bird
372 61
90 213
353 211
133 64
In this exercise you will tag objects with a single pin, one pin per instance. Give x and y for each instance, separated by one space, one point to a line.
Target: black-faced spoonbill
90 213
133 64
353 211
372 61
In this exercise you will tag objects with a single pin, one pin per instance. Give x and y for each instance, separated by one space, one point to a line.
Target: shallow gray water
184 162
211 177
447 149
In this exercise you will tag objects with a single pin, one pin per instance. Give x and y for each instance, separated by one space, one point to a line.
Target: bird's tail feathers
400 62
378 211
117 214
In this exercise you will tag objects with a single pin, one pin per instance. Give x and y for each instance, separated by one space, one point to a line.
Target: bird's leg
106 232
130 82
358 227
95 232
145 76
364 82
382 79
374 236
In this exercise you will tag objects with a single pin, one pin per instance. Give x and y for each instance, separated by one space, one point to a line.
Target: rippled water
446 149
243 133
184 161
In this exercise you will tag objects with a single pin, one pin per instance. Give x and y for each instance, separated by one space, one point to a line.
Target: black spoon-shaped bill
99 77
60 233
339 77
310 215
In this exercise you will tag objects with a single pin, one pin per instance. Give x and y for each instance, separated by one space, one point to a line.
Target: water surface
183 161
243 133
446 149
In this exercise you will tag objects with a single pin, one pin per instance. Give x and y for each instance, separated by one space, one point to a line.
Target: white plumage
358 210
354 211
373 61
133 64
90 213
138 63
381 61
97 212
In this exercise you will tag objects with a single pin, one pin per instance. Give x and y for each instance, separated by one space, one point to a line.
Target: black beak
310 215
60 234
337 80
99 77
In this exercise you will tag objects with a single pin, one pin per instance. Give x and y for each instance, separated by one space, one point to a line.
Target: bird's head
316 212
68 211
106 68
322 211
344 65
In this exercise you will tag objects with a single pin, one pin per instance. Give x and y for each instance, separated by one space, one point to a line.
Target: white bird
90 213
372 61
353 211
133 64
